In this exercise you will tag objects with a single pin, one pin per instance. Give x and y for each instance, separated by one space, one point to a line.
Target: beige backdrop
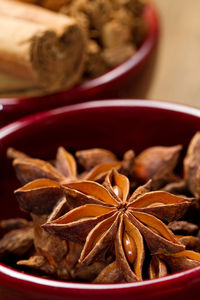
176 75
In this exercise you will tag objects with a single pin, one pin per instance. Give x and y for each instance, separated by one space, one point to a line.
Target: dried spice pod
99 172
32 168
29 169
170 207
59 209
12 153
82 192
183 227
51 247
141 190
96 156
14 223
17 242
182 260
80 219
99 240
39 196
39 263
128 161
65 163
164 264
192 165
157 163
88 273
157 268
190 242
101 230
73 255
64 169
110 274
129 250
59 257
125 166
134 218
177 188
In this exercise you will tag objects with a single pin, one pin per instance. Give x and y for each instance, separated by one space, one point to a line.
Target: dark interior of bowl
118 126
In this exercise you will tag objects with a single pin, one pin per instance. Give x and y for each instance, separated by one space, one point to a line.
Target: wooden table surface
176 74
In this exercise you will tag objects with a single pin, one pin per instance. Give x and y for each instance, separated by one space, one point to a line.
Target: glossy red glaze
117 125
113 84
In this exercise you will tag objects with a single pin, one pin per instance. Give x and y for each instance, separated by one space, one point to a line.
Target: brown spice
157 163
100 224
114 30
130 219
16 242
191 166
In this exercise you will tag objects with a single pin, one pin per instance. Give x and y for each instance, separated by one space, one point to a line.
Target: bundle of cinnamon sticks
38 48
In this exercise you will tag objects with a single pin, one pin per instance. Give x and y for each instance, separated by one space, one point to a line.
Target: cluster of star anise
113 221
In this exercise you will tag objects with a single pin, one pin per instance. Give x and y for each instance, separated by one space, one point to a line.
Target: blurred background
176 75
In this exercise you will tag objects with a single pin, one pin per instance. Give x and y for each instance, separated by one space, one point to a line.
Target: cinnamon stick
50 4
40 46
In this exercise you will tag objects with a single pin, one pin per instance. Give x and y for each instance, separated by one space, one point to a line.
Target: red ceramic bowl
113 84
117 125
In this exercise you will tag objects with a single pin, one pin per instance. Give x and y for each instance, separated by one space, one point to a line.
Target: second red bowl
113 84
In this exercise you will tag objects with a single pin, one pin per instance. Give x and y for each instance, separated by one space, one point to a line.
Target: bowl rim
155 104
150 14
8 275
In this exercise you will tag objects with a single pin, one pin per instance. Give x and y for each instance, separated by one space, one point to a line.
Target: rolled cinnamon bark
50 4
54 5
30 1
40 46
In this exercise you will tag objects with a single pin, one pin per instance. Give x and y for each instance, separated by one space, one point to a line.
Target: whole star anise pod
42 179
42 195
192 165
162 265
157 163
64 168
115 218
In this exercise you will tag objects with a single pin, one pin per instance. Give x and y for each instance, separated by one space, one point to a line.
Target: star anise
64 168
43 196
115 218
192 166
42 179
16 242
162 265
157 163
